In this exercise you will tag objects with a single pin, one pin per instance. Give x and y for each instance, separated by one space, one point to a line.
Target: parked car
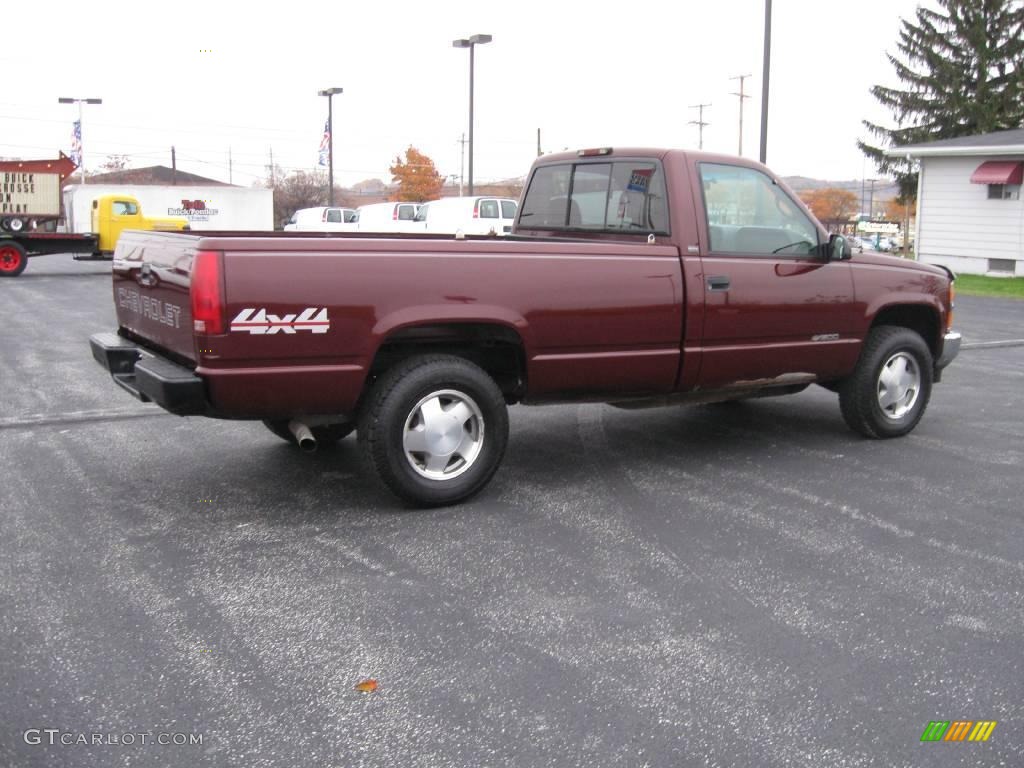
322 219
469 215
387 217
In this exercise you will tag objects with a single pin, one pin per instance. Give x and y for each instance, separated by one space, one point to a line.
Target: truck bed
584 312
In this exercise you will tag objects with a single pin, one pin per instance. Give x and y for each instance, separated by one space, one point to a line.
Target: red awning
998 172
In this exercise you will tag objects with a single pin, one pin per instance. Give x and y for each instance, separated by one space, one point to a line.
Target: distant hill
885 189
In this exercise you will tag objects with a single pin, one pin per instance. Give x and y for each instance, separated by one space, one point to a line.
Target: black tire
325 435
12 259
861 396
399 399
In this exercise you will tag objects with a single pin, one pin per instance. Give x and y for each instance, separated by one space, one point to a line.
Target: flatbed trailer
17 247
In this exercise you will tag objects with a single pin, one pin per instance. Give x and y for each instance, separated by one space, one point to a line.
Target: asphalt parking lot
734 586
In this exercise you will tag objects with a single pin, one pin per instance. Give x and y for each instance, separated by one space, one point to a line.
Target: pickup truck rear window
617 196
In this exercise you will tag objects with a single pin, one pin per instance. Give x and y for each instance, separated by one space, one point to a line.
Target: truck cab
112 214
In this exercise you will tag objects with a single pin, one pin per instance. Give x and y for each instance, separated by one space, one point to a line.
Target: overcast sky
211 76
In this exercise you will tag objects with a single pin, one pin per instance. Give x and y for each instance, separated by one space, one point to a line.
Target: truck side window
508 209
350 216
488 209
749 213
334 215
406 212
123 208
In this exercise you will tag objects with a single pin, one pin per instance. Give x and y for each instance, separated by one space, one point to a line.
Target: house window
1004 191
1002 266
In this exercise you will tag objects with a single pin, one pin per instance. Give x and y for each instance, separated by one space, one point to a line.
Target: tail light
952 296
476 209
394 214
207 289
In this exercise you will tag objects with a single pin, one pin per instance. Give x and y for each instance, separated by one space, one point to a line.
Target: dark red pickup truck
634 277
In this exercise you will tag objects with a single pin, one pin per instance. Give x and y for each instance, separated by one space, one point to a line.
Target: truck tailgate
152 272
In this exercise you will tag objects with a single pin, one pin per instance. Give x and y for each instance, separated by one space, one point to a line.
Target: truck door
774 303
115 216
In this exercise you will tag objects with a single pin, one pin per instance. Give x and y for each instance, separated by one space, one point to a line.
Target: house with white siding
970 211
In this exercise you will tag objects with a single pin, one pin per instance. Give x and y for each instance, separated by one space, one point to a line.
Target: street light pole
329 93
81 131
471 43
764 78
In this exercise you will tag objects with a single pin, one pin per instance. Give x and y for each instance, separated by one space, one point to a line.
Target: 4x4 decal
261 322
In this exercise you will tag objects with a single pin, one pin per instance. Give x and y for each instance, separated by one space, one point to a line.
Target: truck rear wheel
12 259
326 434
434 428
889 390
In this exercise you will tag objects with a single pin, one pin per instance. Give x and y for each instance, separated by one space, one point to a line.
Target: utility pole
871 200
863 191
764 78
539 153
699 122
742 96
462 162
231 177
174 167
273 178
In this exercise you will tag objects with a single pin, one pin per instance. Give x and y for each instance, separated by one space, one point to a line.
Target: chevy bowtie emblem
260 322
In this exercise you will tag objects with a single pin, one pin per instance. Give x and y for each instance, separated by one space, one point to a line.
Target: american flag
76 143
325 143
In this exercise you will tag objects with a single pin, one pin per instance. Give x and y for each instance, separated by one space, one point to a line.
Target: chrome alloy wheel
899 384
443 434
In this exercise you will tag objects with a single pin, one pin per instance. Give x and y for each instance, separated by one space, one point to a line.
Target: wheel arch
498 348
922 318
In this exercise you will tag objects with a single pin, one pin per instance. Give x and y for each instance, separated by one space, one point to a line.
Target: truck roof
661 153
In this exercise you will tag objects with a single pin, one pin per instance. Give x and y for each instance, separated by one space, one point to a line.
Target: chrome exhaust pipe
303 435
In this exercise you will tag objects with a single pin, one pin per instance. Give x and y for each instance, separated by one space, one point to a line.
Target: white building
970 211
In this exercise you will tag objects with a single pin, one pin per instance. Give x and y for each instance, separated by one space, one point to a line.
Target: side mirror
838 248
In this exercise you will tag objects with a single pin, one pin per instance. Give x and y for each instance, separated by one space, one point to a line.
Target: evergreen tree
962 68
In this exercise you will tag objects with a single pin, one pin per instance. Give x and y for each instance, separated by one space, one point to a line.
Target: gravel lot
748 585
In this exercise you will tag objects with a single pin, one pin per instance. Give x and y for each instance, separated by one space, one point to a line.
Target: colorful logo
958 730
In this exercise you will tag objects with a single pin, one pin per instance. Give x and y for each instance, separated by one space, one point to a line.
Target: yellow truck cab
112 214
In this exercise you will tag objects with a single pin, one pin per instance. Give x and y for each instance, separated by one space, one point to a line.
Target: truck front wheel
889 390
434 428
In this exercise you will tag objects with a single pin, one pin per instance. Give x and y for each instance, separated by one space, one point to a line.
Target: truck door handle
718 283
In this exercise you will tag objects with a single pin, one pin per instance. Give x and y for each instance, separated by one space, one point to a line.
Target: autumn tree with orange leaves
831 204
417 178
897 208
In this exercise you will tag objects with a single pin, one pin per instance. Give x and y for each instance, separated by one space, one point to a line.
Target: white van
387 217
469 215
323 219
